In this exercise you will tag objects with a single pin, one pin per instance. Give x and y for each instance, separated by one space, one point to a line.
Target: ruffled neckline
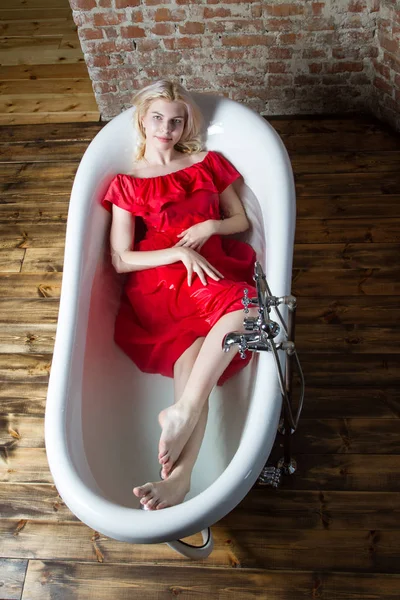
200 162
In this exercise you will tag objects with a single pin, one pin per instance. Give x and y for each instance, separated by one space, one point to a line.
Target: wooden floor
333 530
43 74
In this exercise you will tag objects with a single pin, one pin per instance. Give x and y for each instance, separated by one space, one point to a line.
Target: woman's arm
235 219
122 238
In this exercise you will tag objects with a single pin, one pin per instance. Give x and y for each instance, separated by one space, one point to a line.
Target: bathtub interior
111 411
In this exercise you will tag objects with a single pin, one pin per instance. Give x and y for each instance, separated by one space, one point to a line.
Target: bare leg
179 420
173 490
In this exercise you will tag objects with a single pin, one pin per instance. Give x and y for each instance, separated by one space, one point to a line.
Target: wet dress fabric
160 315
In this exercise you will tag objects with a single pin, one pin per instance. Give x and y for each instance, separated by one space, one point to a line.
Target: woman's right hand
196 263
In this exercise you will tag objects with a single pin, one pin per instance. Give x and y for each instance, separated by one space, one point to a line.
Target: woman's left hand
196 236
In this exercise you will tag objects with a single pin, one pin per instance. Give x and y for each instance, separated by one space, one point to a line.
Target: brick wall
386 84
299 57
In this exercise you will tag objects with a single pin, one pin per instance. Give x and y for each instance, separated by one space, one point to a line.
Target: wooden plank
11 260
31 367
54 27
44 152
357 370
42 55
12 577
49 580
367 402
346 256
33 235
326 125
37 178
30 285
267 509
346 162
49 103
349 282
14 13
46 86
361 310
262 508
347 183
23 465
39 311
340 436
35 211
61 133
22 431
341 205
27 338
48 117
36 261
310 339
345 472
24 398
341 550
318 231
309 143
32 4
32 72
41 502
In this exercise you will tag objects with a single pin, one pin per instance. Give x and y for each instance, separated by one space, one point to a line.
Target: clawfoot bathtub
101 426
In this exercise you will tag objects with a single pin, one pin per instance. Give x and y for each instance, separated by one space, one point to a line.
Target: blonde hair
167 90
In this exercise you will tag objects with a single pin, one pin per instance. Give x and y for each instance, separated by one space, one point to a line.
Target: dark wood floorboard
332 530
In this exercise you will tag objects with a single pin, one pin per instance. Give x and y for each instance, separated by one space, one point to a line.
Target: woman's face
163 123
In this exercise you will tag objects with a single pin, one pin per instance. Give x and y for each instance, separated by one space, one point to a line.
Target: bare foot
161 494
177 424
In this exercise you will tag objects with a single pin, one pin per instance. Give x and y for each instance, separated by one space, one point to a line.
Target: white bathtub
101 426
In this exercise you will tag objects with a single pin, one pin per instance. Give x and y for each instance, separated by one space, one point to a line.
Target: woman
186 278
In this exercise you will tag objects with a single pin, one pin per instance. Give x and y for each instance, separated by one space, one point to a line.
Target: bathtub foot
195 552
270 476
287 468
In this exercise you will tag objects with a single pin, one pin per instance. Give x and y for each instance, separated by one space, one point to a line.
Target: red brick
108 18
126 3
315 67
147 45
163 29
290 38
305 80
279 24
278 67
90 34
82 18
110 32
284 10
165 14
317 7
187 42
132 31
383 85
342 53
357 6
211 13
345 67
245 40
383 70
319 24
280 80
256 11
278 52
82 4
192 28
155 2
97 61
389 45
392 61
100 47
397 81
104 4
103 87
314 53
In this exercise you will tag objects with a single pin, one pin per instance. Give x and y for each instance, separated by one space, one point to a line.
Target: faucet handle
246 301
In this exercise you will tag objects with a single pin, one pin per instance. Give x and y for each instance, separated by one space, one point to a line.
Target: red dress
160 316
